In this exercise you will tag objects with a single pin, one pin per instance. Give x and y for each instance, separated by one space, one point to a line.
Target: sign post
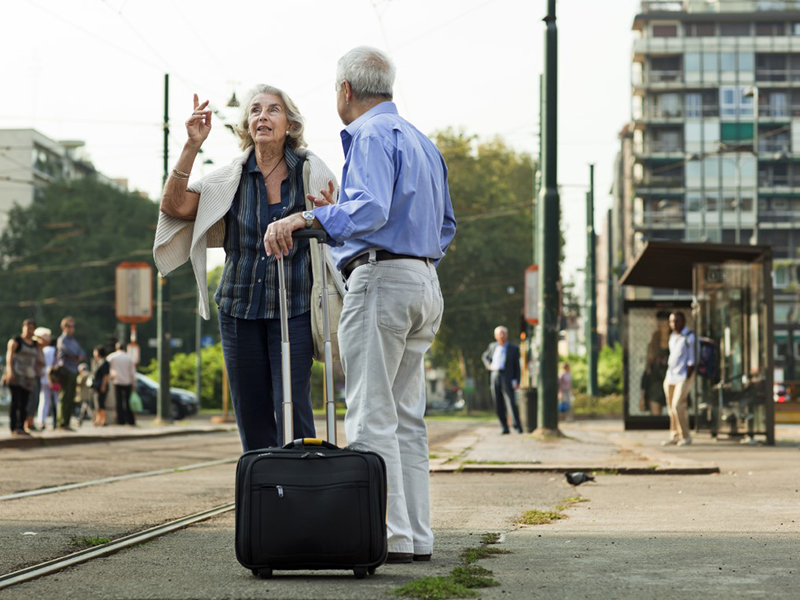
134 298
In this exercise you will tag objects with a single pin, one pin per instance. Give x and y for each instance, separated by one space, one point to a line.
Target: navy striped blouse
248 288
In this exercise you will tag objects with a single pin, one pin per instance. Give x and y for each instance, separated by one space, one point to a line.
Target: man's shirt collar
350 131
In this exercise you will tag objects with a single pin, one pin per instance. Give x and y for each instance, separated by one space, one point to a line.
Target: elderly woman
232 207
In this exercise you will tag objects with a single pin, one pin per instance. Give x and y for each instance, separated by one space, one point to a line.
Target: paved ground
732 534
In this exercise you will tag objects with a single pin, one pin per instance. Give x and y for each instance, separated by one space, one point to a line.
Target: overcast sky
93 70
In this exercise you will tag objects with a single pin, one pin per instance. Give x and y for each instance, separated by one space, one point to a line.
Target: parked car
184 402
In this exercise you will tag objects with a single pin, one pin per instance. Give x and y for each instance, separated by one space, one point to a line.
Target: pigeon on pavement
578 478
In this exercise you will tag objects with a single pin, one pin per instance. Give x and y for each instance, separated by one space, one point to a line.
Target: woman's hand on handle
198 125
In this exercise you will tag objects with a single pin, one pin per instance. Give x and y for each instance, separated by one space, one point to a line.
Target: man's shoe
67 428
685 442
519 429
670 442
422 557
505 432
399 558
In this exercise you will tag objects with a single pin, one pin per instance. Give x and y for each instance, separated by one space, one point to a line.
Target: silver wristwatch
309 217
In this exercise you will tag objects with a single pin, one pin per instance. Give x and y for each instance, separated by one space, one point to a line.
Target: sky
93 70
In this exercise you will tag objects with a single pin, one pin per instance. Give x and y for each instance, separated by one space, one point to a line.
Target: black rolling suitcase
310 504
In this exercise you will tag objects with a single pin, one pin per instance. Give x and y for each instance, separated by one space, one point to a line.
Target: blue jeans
252 350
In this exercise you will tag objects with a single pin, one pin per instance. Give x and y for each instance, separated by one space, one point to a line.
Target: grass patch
583 404
501 462
470 555
89 542
568 502
490 538
539 517
473 576
434 588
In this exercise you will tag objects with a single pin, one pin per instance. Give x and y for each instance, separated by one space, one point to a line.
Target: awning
670 264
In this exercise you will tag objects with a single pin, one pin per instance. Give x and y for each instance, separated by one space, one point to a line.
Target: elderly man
69 355
501 358
392 225
678 382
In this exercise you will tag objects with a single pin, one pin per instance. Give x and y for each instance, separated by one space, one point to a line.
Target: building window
669 105
727 61
663 31
795 28
746 61
710 62
734 29
700 29
770 29
733 103
694 105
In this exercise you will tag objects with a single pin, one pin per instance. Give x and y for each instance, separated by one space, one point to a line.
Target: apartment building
712 152
30 160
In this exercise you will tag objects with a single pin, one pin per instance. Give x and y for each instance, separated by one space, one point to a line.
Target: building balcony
780 148
659 149
778 76
671 218
778 112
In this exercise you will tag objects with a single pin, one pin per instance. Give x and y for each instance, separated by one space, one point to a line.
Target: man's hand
689 371
278 238
325 198
515 384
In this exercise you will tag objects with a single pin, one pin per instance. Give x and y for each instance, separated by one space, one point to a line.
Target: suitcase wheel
265 573
255 572
372 570
360 572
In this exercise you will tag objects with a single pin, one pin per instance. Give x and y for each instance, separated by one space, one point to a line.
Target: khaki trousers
677 407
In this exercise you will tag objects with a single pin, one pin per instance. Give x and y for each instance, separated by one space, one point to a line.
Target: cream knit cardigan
178 240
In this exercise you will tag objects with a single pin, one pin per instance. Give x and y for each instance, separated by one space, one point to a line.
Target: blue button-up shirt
681 356
248 288
394 194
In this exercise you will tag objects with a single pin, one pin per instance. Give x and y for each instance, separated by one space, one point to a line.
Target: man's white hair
369 71
500 328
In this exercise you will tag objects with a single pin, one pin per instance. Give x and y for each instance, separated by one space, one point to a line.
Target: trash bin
530 409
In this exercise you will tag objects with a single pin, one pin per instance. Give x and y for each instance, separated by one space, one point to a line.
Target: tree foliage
482 276
58 257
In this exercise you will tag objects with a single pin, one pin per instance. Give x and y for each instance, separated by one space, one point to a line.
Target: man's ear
348 91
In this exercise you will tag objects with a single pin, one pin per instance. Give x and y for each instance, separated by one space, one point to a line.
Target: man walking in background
69 355
501 358
392 224
123 376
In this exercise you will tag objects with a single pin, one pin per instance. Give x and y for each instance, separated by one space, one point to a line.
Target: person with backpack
678 382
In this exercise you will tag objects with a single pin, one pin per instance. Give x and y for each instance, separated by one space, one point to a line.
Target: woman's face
267 120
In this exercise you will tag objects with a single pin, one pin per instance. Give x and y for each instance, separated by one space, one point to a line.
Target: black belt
380 255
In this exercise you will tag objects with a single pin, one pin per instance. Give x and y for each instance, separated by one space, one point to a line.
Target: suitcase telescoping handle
303 442
286 368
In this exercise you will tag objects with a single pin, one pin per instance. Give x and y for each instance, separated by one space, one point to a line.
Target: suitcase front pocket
311 524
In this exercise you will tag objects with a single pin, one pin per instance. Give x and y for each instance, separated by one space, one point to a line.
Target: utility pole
162 309
591 288
551 236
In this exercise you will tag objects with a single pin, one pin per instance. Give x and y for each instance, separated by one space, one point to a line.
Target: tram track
82 556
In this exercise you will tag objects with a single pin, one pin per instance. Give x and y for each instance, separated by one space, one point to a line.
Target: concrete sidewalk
145 428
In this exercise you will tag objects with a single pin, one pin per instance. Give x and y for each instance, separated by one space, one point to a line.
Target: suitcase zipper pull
280 491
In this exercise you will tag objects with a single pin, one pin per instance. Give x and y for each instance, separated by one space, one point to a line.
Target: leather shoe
422 557
399 558
505 432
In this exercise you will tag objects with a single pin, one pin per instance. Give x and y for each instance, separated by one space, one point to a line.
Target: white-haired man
392 225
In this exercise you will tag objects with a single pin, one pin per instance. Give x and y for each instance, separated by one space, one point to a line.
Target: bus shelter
730 312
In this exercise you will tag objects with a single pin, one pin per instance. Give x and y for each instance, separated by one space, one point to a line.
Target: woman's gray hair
370 72
296 125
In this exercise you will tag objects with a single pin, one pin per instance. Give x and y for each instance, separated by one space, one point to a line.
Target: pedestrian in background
123 376
23 366
84 393
501 358
231 207
100 376
565 393
678 382
49 387
392 225
69 355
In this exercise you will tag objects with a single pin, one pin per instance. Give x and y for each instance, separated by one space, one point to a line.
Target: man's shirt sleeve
365 197
449 222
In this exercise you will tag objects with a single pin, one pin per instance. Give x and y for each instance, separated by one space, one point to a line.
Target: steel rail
83 484
82 556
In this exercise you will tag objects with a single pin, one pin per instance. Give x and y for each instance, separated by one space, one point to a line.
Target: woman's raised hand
198 126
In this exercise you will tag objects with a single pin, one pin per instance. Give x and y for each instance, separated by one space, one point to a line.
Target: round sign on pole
134 292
